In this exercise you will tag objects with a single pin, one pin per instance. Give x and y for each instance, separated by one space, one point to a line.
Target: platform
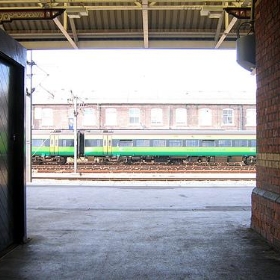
133 231
148 176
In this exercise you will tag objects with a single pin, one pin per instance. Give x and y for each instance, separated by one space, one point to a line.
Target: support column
266 195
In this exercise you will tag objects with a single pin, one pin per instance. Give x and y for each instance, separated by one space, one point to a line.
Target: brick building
199 110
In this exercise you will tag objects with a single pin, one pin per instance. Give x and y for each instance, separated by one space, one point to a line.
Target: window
89 117
240 143
227 116
159 143
181 116
208 143
224 143
175 143
126 143
47 117
38 113
142 143
41 142
71 123
134 116
111 116
93 143
253 143
156 116
205 117
192 143
251 117
66 142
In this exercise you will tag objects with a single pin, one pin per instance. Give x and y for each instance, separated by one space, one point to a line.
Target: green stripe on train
172 151
149 151
46 151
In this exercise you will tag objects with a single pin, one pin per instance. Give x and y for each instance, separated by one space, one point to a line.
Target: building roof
160 97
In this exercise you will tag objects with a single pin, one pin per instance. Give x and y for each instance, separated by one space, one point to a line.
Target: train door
81 144
54 144
107 145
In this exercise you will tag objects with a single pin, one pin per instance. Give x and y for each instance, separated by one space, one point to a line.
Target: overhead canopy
81 24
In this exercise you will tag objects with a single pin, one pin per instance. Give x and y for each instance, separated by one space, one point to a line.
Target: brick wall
61 115
266 195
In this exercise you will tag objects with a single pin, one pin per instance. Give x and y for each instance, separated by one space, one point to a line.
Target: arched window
205 117
111 116
251 117
181 116
47 117
89 118
156 116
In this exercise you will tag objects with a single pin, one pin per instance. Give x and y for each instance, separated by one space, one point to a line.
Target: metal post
28 118
75 133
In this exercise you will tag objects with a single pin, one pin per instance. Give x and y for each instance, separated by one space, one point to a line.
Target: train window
240 143
253 143
207 143
142 143
115 143
126 143
224 143
192 143
175 143
93 143
41 142
66 142
159 143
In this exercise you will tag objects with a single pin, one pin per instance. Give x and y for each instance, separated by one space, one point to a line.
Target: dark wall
266 196
12 186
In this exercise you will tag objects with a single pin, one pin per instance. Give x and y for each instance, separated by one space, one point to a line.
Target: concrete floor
135 231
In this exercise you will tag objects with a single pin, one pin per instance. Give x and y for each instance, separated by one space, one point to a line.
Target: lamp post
75 133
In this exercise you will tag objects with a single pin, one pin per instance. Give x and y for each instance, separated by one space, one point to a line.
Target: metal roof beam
155 5
118 34
121 8
72 23
219 27
51 2
230 26
124 44
74 31
65 33
145 23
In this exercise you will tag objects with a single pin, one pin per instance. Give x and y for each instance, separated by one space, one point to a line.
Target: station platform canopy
88 24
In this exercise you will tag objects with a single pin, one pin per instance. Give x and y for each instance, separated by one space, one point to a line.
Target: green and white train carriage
170 145
145 145
52 146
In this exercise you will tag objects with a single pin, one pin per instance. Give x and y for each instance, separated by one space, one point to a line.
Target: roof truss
127 23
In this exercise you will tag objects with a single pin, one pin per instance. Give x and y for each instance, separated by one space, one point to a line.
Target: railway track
145 172
143 168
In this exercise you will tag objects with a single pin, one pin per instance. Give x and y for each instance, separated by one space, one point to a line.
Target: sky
138 70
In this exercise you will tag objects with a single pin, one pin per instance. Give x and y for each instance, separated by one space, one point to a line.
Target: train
130 146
